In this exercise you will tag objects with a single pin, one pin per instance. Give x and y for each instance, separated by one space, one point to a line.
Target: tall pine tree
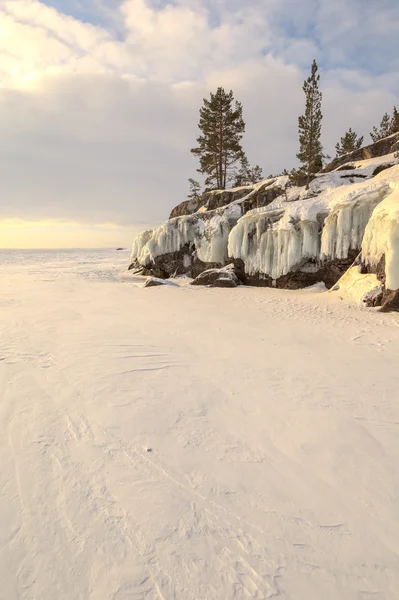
219 145
309 124
348 143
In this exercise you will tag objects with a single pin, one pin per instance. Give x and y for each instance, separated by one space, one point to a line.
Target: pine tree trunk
221 174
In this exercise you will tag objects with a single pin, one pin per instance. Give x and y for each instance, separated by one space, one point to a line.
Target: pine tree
247 175
256 174
311 151
384 130
195 189
394 126
348 143
241 174
219 145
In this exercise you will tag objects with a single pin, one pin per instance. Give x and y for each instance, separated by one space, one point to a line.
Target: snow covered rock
155 281
275 235
225 277
188 244
315 238
193 243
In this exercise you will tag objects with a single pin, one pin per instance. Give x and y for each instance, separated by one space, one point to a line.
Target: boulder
154 282
224 282
390 301
225 277
374 297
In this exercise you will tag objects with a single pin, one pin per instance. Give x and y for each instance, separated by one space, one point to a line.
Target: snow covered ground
181 443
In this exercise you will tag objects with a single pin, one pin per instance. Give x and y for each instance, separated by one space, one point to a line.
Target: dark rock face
173 264
395 147
374 297
379 148
188 207
224 282
219 198
303 276
390 301
378 270
262 197
381 168
387 299
224 277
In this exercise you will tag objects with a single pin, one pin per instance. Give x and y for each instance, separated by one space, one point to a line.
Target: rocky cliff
282 236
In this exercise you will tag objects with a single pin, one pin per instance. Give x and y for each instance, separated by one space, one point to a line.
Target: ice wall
276 242
272 244
344 227
382 238
207 232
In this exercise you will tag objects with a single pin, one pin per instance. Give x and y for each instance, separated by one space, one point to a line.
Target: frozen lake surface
180 443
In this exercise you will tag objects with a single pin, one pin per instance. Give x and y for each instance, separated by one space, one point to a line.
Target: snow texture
272 419
382 238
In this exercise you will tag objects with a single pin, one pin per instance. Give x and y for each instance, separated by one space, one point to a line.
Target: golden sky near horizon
18 234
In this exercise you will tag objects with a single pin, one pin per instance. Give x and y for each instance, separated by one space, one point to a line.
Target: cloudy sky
100 99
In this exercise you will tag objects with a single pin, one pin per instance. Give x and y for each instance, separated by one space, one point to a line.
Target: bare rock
374 297
390 301
225 277
188 207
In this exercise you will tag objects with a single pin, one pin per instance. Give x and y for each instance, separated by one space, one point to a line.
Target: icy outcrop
275 241
201 239
345 225
272 243
274 234
381 238
207 233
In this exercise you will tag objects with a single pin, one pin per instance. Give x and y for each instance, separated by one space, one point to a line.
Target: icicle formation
345 225
382 238
208 233
273 247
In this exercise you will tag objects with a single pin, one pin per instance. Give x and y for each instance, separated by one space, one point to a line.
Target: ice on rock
345 225
273 248
209 234
281 237
382 238
299 229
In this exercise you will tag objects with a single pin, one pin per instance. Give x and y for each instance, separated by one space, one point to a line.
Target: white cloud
97 122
